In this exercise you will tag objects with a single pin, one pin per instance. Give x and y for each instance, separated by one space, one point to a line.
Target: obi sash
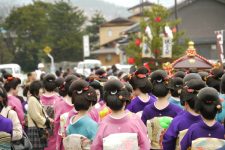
76 142
208 144
121 141
157 127
179 138
5 141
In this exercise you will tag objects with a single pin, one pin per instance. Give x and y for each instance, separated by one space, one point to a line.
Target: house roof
132 29
141 5
118 22
105 51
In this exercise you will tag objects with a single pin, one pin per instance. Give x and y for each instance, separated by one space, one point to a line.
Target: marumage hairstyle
180 74
222 85
190 91
159 80
49 82
83 95
175 85
208 103
214 79
97 86
11 83
64 88
116 94
140 80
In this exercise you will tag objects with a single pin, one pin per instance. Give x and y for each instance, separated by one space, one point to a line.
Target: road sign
47 49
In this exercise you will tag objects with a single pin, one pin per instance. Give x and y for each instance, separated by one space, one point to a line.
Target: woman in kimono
158 115
142 88
221 116
121 129
208 133
181 123
176 85
83 98
62 108
49 100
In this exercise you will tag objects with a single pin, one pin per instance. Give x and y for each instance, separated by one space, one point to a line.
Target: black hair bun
49 77
204 75
222 84
128 87
190 76
217 73
79 86
195 84
96 84
142 70
71 78
176 83
100 72
158 76
208 95
180 74
59 81
113 86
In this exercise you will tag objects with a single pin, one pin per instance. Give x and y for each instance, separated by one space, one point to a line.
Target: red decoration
158 19
147 66
156 51
137 42
174 30
131 60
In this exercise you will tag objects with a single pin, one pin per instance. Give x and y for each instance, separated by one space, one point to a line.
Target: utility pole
176 16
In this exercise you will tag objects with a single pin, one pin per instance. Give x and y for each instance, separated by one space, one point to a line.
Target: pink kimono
16 105
49 103
61 107
130 123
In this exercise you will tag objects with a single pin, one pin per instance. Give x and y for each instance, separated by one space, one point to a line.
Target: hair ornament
209 102
80 92
113 92
159 81
120 97
10 78
218 107
141 76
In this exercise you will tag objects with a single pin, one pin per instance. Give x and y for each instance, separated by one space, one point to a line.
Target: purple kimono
6 125
137 105
179 123
151 111
201 130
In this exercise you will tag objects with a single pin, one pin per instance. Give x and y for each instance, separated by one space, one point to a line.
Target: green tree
43 24
156 18
93 29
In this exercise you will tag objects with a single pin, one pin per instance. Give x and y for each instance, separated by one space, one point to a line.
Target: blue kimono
221 116
175 101
84 126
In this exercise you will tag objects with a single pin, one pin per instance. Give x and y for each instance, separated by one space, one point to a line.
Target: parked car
13 69
85 66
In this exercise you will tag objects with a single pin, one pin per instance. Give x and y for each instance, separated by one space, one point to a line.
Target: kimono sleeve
186 141
169 138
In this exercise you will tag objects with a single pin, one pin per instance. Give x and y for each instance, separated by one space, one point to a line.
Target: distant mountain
109 10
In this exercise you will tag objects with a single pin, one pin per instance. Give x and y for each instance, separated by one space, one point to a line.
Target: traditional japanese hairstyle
83 96
204 75
159 79
11 82
190 91
222 85
208 103
180 74
101 73
116 94
190 76
49 82
64 88
175 86
140 80
97 86
214 78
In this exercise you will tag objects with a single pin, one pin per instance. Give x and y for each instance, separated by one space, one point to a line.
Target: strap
7 116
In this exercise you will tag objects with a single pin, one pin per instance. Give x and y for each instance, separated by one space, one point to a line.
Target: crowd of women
140 110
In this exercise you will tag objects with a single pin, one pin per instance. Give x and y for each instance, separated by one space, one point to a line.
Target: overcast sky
130 3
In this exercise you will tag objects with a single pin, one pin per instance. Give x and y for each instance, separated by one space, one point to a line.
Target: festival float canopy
192 60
